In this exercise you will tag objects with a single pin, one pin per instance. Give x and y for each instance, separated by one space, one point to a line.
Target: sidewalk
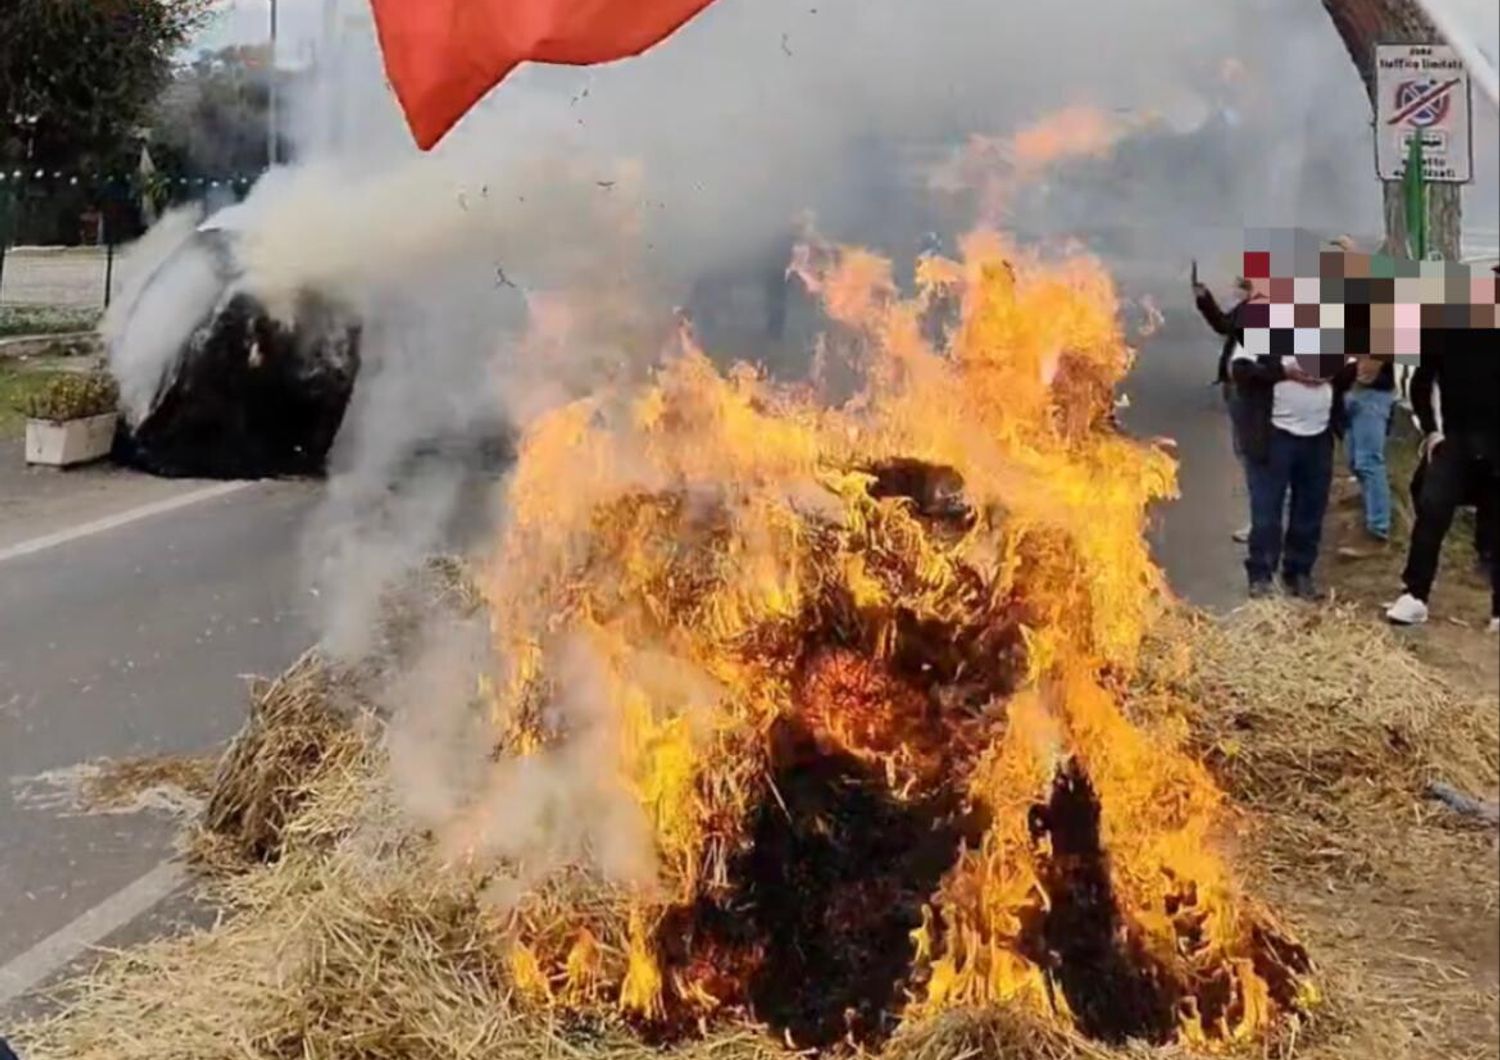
38 501
82 343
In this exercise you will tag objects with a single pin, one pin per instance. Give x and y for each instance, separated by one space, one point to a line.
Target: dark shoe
1260 590
1301 586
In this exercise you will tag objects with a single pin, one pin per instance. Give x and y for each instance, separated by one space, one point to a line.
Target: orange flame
997 167
920 595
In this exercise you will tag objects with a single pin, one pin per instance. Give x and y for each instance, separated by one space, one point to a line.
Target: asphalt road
1170 396
131 641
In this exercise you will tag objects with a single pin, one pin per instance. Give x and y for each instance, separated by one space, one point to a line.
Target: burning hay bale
813 729
342 948
295 738
855 665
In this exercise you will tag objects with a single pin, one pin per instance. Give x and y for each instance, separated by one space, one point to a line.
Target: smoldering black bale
249 395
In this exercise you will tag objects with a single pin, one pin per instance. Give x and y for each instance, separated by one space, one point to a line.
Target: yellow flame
695 530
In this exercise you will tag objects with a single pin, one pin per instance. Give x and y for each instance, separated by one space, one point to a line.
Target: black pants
1485 514
1454 470
1299 467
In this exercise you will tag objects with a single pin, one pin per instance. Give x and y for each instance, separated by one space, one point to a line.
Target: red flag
442 56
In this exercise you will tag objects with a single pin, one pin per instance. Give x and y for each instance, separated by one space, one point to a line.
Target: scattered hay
1319 717
1328 729
1331 730
989 1034
295 739
348 941
325 960
1296 704
172 785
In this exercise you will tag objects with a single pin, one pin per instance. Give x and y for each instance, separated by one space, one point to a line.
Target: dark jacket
1465 366
1231 325
1255 381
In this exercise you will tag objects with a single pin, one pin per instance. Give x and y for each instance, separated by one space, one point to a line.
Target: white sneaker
1407 611
1242 535
1494 626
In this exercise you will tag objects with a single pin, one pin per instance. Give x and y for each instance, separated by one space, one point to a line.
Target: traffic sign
1423 90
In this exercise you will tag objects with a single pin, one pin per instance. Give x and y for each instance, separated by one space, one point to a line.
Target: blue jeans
1303 467
1369 424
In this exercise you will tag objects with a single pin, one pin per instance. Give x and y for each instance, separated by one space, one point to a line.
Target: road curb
21 346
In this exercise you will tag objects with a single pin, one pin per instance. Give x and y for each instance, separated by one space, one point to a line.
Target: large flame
846 661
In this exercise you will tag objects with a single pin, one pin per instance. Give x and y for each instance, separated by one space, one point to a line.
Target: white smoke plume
162 311
544 244
686 171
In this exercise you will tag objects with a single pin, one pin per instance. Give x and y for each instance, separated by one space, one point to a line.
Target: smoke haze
543 246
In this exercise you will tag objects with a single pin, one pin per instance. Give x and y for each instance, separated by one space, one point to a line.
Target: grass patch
45 320
16 385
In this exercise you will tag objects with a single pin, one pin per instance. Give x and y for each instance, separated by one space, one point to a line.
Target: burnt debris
250 396
223 387
1112 986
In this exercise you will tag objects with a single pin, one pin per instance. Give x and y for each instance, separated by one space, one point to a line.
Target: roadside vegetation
46 320
20 384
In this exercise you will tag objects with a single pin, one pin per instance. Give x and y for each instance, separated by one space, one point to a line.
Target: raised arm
1209 307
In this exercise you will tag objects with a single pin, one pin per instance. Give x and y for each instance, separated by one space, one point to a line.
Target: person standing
1462 452
1368 405
1291 414
1231 326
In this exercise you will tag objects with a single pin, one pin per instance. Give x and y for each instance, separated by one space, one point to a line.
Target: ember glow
849 664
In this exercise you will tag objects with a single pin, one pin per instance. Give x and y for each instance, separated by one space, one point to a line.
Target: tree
211 118
78 76
1362 24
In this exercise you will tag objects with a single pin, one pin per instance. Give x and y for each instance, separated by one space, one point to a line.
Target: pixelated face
1322 304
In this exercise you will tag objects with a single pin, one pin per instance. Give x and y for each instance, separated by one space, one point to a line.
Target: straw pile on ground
1326 723
344 941
174 785
296 736
1328 730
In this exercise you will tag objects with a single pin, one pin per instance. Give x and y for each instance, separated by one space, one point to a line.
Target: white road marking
112 522
28 971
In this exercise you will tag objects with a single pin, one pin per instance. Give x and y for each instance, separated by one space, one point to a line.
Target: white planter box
69 442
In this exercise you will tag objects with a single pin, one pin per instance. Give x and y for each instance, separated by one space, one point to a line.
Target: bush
46 320
73 396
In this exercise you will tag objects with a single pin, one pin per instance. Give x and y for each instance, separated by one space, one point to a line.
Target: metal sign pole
109 266
272 109
4 233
